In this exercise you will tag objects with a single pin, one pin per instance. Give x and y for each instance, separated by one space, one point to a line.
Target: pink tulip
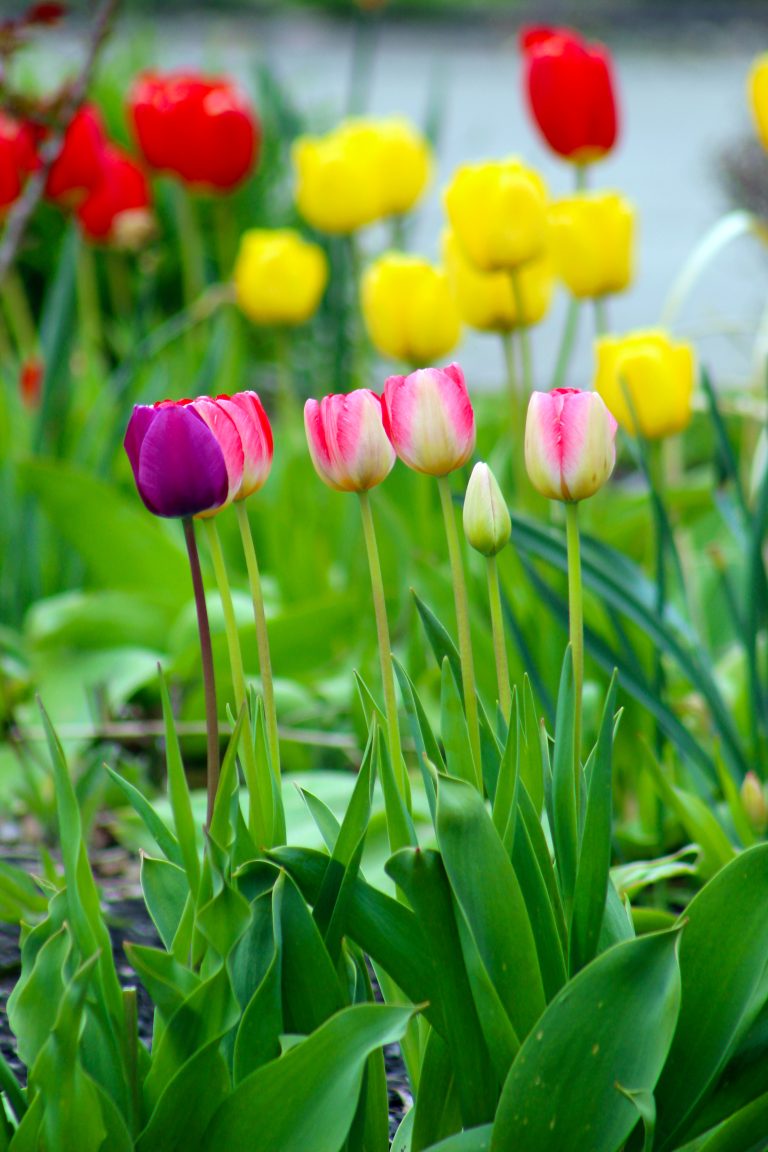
228 439
247 412
569 443
429 418
349 447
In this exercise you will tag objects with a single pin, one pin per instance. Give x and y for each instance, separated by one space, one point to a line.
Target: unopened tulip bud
570 446
429 418
349 447
487 525
753 799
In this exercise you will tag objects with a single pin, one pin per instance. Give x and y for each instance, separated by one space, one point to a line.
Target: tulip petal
177 463
252 423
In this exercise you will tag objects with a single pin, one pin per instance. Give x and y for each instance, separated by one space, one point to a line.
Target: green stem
259 792
601 316
19 314
357 327
655 475
462 624
206 655
88 302
225 227
499 645
581 177
567 342
523 333
191 251
131 1042
119 282
576 625
385 648
262 638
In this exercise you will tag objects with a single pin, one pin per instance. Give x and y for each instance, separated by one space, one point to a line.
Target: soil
128 920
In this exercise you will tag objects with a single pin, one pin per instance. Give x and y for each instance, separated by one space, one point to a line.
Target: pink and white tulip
430 420
349 447
570 446
252 423
227 437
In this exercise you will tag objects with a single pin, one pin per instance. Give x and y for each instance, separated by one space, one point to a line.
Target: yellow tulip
658 375
485 299
361 172
498 211
408 309
758 96
337 188
591 237
279 277
404 159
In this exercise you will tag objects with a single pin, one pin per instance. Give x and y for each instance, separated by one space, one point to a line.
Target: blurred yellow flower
658 375
591 237
758 96
279 277
408 309
485 299
360 172
498 211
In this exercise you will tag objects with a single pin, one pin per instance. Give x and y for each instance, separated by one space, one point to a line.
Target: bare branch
22 211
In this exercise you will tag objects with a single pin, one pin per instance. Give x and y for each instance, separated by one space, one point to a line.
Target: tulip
279 277
18 158
571 93
592 242
570 447
754 803
349 446
202 130
497 211
657 375
228 438
486 301
178 464
78 168
337 181
405 164
758 96
408 308
429 418
487 525
118 210
246 412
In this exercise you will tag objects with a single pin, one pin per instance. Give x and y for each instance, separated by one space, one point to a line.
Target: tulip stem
576 625
523 334
262 638
385 648
581 177
19 314
601 316
259 792
462 624
206 655
567 342
89 305
499 645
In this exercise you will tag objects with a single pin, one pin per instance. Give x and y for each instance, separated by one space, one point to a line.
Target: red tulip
430 420
118 210
571 92
77 169
203 131
18 157
349 446
247 412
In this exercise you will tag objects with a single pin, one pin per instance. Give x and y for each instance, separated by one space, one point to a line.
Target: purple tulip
177 463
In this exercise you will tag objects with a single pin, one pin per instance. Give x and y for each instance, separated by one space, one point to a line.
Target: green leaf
168 982
422 877
436 1109
696 818
165 891
475 1140
20 897
307 1098
178 791
257 970
157 828
427 749
724 945
612 1024
495 911
142 552
186 1105
743 1132
311 988
592 878
458 750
